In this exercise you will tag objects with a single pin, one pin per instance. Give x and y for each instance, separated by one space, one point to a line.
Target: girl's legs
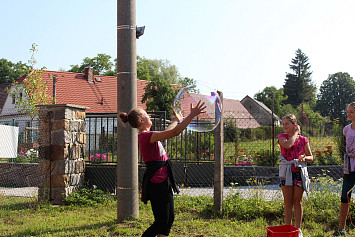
343 214
162 202
293 199
287 192
348 183
297 203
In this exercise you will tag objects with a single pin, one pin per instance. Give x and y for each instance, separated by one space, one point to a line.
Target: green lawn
194 217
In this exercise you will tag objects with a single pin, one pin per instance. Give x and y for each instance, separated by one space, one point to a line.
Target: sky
238 47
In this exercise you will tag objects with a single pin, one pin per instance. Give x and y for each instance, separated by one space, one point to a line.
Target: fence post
218 163
273 130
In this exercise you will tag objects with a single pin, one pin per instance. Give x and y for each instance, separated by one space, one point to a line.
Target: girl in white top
349 168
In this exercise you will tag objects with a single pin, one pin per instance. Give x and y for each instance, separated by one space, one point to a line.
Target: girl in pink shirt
293 146
156 186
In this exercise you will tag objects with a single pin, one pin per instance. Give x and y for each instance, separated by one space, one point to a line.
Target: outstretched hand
198 109
177 116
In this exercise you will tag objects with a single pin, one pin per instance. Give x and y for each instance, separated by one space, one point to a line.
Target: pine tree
298 85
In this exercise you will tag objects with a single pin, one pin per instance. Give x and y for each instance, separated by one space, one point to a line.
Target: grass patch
97 215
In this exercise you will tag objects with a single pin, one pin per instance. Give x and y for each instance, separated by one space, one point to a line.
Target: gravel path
19 192
269 192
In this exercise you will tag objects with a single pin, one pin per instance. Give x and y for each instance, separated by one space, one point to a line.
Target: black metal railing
101 135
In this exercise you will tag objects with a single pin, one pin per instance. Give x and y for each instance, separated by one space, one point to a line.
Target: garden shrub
231 131
30 156
326 157
85 197
339 137
322 204
265 158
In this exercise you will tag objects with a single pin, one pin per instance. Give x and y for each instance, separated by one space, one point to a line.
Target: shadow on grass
72 230
19 205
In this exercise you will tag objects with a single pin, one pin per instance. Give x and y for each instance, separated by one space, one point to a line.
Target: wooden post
219 164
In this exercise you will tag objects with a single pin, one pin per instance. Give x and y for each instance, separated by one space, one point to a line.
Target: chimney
54 88
89 74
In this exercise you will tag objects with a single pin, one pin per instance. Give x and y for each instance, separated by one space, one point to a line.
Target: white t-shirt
349 133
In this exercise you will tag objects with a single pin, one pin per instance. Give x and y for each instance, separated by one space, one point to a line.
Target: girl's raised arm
288 143
179 128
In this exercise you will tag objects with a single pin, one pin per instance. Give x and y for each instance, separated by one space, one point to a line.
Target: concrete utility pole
127 139
219 164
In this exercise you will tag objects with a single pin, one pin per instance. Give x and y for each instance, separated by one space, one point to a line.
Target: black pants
162 202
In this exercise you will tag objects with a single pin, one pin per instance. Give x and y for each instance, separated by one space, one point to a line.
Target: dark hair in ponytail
132 117
124 117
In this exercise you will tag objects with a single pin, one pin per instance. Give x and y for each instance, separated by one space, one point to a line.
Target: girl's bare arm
166 134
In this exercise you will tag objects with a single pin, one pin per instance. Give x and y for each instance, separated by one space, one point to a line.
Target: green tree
164 83
186 81
159 95
298 85
32 91
147 69
9 71
101 64
335 94
143 69
287 109
317 122
268 95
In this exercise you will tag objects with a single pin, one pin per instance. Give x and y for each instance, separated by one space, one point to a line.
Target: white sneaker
300 232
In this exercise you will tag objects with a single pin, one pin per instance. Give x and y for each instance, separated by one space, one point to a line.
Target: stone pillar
61 141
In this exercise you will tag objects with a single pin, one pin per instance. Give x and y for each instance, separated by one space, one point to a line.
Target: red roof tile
74 88
233 108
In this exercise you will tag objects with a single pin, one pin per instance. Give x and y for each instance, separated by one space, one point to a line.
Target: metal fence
250 156
101 135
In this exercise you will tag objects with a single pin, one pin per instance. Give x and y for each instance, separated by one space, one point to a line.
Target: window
13 99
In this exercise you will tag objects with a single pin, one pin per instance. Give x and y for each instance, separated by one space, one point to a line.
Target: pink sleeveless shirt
153 151
295 151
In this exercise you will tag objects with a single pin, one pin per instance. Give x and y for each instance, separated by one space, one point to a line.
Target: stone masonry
61 141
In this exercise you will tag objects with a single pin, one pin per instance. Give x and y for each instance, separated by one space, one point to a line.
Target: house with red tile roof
97 92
